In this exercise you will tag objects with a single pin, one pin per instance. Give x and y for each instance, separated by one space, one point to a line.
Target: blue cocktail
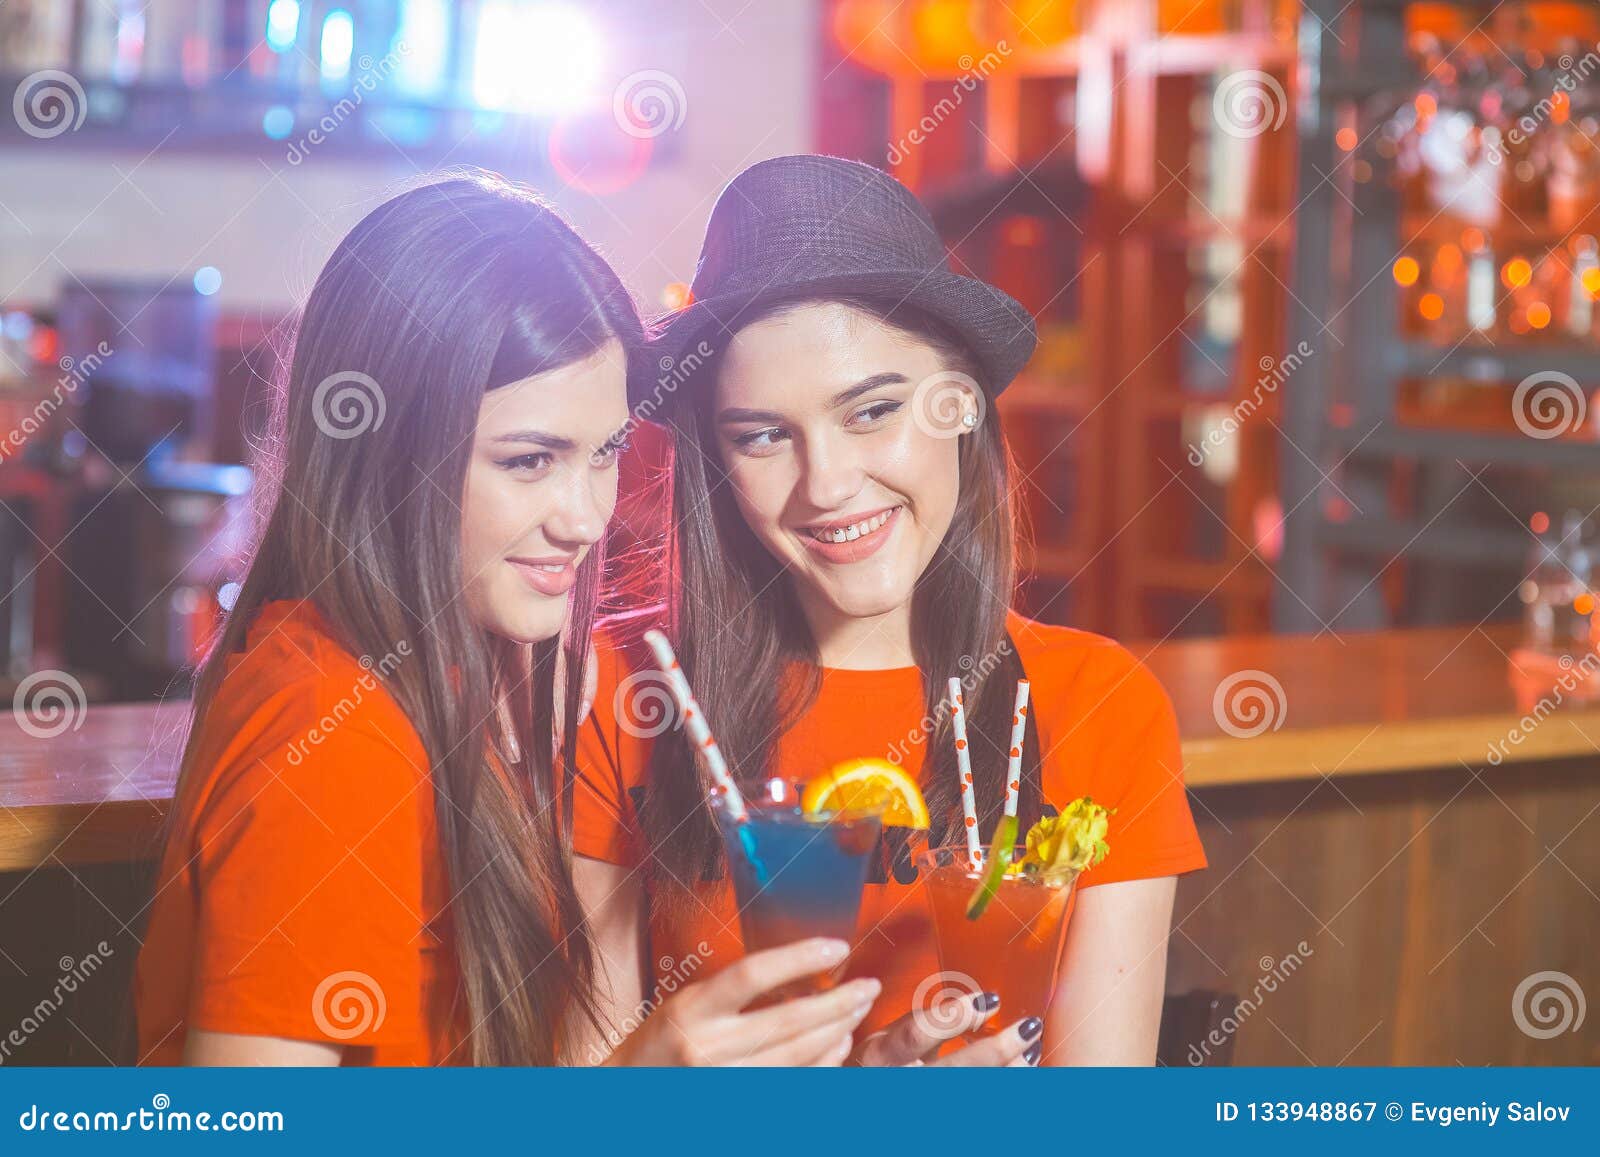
797 876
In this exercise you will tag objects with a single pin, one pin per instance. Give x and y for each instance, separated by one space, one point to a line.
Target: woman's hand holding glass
712 1022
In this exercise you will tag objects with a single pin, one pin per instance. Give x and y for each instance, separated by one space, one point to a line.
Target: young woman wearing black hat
842 544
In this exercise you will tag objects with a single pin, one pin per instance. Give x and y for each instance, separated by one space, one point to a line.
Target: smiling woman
843 546
362 859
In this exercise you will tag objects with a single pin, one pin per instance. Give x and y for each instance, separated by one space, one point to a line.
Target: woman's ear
948 404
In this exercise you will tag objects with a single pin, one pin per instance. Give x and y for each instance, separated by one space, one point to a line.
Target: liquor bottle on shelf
1556 595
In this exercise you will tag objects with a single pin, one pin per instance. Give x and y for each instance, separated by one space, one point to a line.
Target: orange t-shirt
300 892
1106 727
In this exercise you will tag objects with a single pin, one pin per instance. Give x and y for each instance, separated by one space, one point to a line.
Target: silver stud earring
969 419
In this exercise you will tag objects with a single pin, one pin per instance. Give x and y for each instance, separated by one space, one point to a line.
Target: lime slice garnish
1000 853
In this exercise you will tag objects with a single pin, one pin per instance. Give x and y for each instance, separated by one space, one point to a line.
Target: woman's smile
551 577
853 538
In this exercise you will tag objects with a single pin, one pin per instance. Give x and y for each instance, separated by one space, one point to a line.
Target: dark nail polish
1035 1051
1031 1028
986 1001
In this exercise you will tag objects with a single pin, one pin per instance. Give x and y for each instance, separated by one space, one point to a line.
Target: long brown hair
444 292
737 625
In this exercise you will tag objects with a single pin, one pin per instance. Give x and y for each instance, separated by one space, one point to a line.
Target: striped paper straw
694 721
1019 728
969 805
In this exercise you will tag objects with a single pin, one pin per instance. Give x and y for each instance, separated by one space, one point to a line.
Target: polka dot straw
694 722
1019 729
969 806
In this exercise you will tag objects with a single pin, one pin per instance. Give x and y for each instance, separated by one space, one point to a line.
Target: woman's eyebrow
737 414
536 438
866 385
843 397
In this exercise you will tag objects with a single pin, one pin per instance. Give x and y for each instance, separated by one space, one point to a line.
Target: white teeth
854 530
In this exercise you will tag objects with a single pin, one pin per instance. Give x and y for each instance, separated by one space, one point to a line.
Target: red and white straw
1019 729
969 804
694 721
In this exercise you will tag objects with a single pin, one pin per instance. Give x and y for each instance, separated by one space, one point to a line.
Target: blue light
338 41
421 46
283 24
207 280
278 122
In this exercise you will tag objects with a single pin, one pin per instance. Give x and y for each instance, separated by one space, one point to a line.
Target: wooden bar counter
1401 827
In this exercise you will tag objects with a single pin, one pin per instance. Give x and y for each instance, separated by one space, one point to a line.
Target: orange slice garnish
868 783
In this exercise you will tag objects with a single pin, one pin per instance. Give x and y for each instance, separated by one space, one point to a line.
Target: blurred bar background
1290 268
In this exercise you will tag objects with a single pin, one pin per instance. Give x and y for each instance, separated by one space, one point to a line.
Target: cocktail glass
796 876
1012 948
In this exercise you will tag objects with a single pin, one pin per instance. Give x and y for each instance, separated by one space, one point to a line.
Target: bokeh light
537 59
338 42
283 24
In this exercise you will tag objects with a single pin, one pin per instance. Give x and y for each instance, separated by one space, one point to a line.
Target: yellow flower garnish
1066 844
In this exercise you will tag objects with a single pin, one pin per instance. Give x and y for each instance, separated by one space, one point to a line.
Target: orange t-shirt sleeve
1139 774
610 760
310 873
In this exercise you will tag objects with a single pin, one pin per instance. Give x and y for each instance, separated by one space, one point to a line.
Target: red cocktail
1012 948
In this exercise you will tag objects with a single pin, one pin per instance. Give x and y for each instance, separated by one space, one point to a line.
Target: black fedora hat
808 225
